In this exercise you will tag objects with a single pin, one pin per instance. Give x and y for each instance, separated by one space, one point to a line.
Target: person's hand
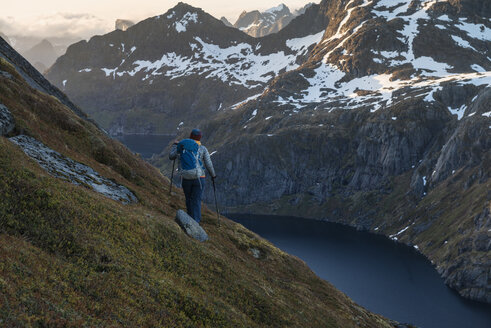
176 142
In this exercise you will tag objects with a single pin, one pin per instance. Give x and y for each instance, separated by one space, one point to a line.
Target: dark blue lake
385 277
146 145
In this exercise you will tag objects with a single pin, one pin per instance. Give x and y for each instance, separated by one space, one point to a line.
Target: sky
85 18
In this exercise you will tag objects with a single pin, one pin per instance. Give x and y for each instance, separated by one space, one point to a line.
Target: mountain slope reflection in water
383 276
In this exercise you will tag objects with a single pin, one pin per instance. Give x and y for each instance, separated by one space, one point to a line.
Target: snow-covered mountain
257 24
181 66
380 52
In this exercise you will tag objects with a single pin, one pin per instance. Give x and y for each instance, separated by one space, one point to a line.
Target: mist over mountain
42 55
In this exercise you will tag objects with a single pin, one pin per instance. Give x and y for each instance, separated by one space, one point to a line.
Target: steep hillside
385 127
73 256
182 66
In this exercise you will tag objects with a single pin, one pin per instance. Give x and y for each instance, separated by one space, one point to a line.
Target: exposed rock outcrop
190 226
123 24
7 123
65 168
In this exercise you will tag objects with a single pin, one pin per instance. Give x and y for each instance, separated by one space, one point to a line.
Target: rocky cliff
73 255
273 20
386 127
257 24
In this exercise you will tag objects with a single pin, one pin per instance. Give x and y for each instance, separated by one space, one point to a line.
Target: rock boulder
190 226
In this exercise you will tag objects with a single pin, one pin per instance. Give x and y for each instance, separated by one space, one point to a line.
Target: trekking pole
172 177
216 202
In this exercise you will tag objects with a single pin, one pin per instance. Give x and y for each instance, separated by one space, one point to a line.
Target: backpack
191 165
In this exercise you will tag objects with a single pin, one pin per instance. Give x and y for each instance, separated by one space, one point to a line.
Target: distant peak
278 8
183 6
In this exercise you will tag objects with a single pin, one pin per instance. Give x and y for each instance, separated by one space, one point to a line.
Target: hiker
193 158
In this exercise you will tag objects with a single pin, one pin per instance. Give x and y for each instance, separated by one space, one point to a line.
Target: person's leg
198 186
187 187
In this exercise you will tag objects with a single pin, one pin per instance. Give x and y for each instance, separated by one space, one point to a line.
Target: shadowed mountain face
386 127
75 253
182 66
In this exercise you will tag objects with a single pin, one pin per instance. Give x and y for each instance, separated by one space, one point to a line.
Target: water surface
385 277
146 145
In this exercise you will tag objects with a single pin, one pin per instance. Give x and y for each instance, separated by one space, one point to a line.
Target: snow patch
462 43
478 68
246 100
301 45
458 111
181 26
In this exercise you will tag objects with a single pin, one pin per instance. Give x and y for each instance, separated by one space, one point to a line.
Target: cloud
56 25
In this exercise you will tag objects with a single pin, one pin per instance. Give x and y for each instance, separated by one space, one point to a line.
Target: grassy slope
71 257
